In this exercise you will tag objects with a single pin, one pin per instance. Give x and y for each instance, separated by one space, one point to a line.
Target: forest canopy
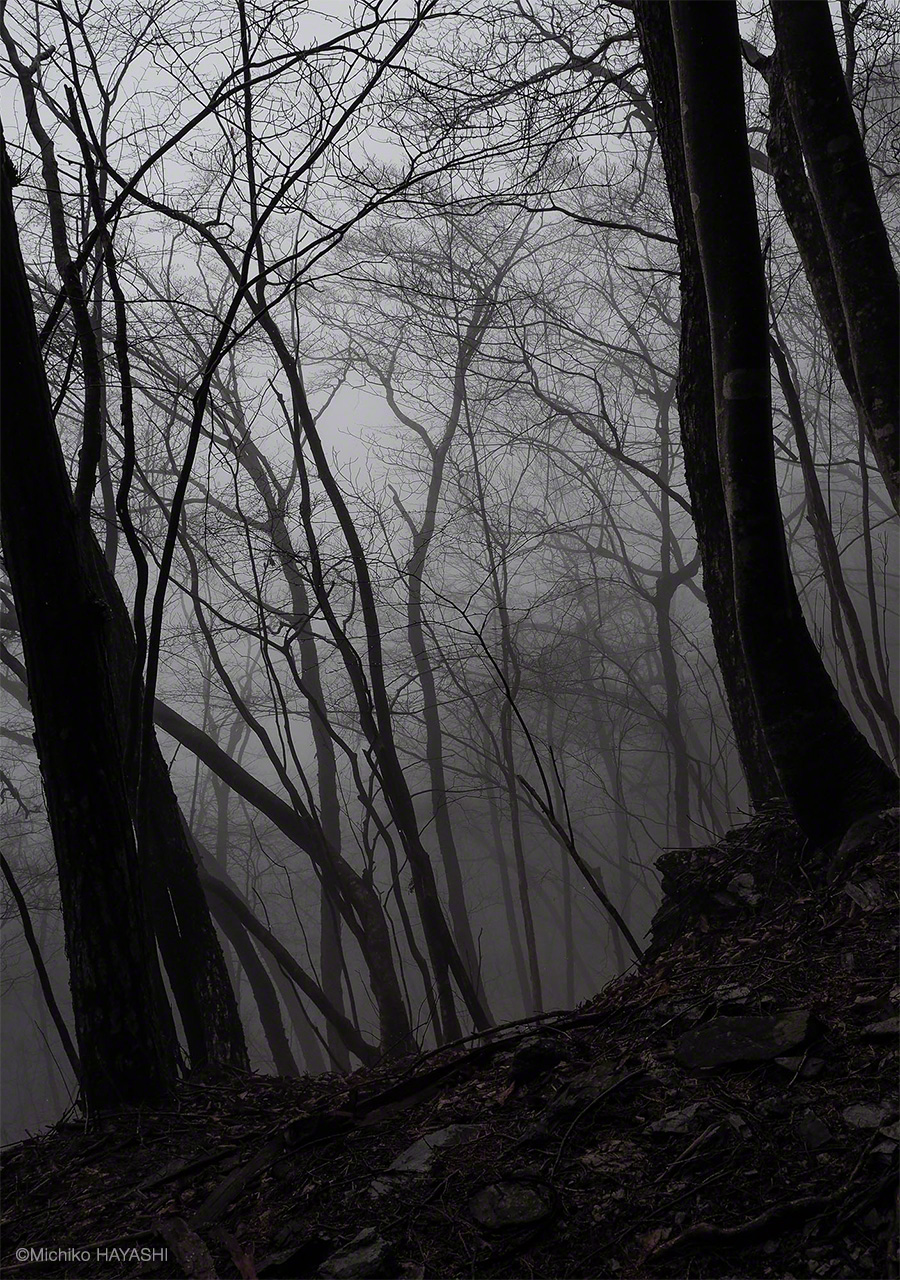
449 456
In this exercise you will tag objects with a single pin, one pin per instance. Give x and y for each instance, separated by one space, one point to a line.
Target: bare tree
829 773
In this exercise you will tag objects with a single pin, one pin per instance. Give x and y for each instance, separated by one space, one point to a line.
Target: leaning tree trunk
262 987
841 184
696 409
829 773
118 1001
358 900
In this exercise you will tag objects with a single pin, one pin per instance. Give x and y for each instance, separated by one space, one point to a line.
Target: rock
614 1157
889 1029
867 894
742 1039
861 1116
534 1057
743 886
678 1121
807 1068
420 1156
366 1257
582 1089
501 1206
732 999
813 1132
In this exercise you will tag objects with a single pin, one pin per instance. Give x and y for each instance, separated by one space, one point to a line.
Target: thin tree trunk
354 1041
375 707
356 896
326 762
565 867
508 765
512 923
858 246
41 969
260 984
872 704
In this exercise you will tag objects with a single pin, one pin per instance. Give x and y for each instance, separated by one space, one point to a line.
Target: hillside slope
727 1109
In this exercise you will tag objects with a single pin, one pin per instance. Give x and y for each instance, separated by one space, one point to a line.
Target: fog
401 311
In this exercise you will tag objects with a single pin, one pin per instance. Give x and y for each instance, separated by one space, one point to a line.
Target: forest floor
728 1108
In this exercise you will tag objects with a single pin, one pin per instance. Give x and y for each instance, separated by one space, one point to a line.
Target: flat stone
867 894
534 1058
813 1132
420 1156
511 1203
366 1257
582 1089
742 1039
744 887
807 1068
678 1121
301 1259
889 1029
860 1116
732 997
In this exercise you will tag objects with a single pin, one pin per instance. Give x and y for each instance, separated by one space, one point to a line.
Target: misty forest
450 456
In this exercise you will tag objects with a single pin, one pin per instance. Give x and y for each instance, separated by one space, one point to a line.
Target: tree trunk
118 1000
512 923
300 1019
374 705
799 208
356 896
366 1053
261 985
434 754
828 772
696 409
858 246
330 953
40 968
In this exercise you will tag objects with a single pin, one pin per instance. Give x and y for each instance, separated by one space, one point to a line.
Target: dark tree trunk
375 709
796 200
261 985
696 408
366 1053
118 1001
858 246
358 901
829 773
193 959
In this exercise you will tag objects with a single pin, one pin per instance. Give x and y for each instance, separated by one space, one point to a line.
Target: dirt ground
728 1108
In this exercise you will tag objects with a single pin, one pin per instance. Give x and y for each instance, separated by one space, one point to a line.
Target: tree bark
118 1001
858 246
696 409
366 1052
260 984
356 896
799 208
829 774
